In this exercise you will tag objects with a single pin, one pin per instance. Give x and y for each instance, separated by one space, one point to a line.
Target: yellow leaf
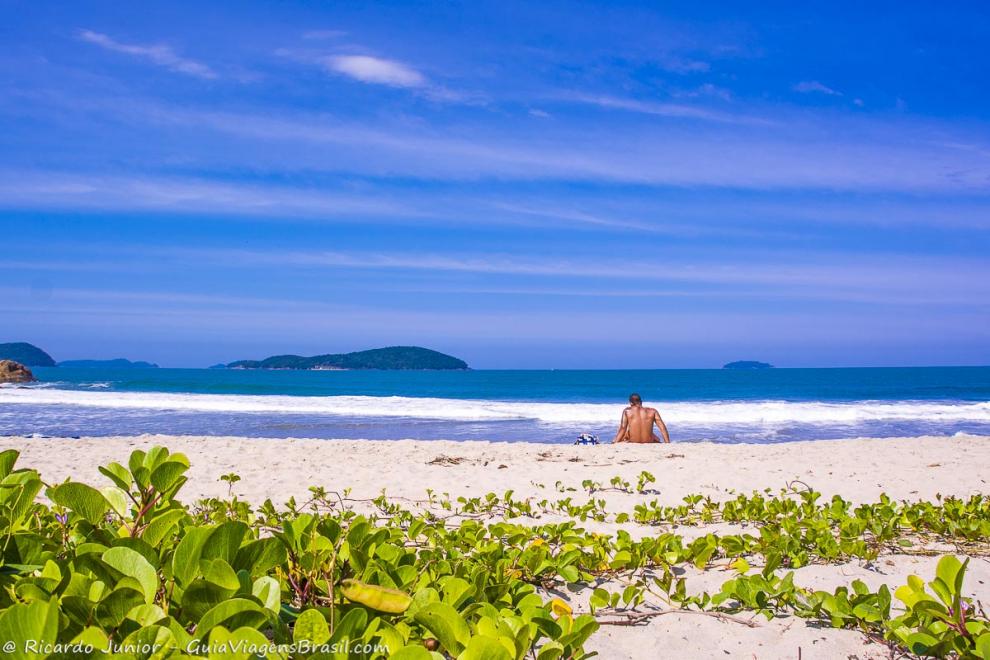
740 565
560 608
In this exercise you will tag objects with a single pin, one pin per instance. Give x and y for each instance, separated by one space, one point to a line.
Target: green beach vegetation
129 567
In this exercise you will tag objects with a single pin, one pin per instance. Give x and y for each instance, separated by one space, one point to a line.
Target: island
26 354
119 363
748 364
388 358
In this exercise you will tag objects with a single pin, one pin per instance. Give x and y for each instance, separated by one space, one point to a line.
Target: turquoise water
549 406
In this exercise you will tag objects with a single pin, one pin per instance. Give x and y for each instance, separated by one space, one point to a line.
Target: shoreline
857 469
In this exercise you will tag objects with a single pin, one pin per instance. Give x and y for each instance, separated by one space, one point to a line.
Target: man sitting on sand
637 423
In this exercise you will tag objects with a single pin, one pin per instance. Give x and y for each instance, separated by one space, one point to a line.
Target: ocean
763 406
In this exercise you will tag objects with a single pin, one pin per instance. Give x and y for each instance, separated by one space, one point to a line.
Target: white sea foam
773 413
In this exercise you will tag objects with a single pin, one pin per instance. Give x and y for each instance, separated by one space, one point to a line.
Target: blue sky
523 185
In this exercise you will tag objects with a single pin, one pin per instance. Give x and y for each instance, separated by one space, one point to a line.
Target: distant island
390 358
748 364
26 354
119 363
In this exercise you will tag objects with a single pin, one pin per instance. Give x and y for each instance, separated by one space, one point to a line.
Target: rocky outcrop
14 372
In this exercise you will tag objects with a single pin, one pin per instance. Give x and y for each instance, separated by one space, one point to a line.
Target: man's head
635 399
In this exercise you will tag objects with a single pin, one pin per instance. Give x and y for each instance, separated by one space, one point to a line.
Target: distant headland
32 356
389 358
27 354
119 363
748 364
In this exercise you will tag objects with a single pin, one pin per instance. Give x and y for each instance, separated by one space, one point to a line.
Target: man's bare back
637 424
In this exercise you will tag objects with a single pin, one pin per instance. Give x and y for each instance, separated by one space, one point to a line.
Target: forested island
748 364
389 358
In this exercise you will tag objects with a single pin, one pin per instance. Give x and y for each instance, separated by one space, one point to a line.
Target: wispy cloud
799 152
901 279
815 87
188 195
324 34
375 70
812 275
683 65
158 54
673 110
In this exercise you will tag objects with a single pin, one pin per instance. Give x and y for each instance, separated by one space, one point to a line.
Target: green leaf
81 499
236 645
150 642
167 475
17 492
919 642
147 614
7 459
114 607
412 652
982 646
456 591
550 651
185 561
132 564
135 463
569 573
260 556
311 626
234 612
224 541
118 500
446 624
93 636
118 474
268 591
34 622
219 572
483 647
948 570
161 525
352 626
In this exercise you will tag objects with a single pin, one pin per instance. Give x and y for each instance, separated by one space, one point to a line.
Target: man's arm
663 427
623 429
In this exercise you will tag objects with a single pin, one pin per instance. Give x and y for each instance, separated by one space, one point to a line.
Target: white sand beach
858 469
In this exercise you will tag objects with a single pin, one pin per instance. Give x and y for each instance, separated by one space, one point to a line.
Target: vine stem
635 618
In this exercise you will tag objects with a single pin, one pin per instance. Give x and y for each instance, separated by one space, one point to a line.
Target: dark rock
14 372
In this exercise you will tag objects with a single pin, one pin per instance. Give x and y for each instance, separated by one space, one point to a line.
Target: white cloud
375 70
815 87
157 53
